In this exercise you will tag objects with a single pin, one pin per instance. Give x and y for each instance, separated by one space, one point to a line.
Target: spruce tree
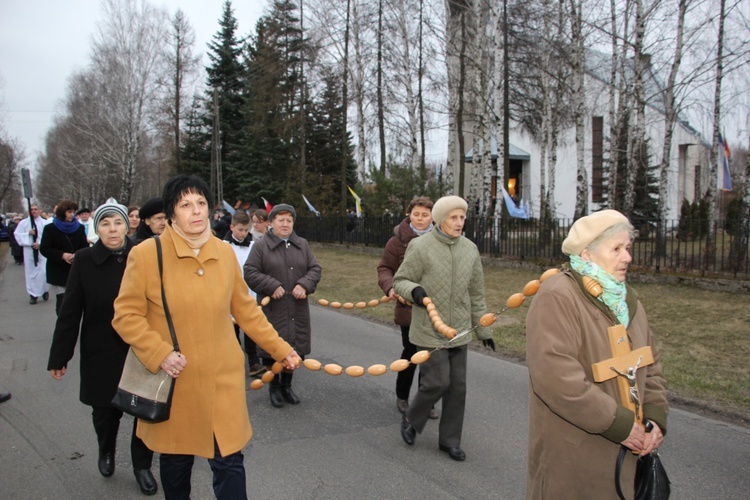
226 76
270 155
196 140
647 181
325 151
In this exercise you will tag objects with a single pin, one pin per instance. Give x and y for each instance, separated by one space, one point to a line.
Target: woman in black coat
93 285
62 239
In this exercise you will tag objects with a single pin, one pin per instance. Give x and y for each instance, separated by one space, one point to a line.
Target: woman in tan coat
576 425
204 289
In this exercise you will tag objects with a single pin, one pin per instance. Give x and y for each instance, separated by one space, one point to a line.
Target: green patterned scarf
614 291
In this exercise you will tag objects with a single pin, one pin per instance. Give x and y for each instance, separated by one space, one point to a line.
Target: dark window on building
597 159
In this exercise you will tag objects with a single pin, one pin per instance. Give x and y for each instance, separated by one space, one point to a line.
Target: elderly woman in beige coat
576 425
204 289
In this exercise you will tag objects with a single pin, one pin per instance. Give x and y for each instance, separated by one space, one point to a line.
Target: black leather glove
418 294
489 343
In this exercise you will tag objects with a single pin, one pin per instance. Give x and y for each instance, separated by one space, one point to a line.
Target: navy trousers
229 475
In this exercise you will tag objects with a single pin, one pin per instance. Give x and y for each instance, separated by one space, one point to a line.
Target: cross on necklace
624 365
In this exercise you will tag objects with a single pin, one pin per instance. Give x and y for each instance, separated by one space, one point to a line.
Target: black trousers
442 376
229 475
405 378
106 424
249 344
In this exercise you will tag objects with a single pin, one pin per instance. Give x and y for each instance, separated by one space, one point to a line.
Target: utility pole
217 183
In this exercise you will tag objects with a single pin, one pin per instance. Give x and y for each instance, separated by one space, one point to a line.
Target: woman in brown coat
576 426
417 223
204 289
282 266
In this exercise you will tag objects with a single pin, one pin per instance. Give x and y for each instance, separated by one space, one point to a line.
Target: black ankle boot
107 463
286 389
274 391
146 481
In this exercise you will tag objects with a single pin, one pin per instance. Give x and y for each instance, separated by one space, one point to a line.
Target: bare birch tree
401 57
670 111
457 28
81 149
358 80
345 105
710 248
498 22
578 63
126 52
420 93
381 110
183 66
12 157
475 93
614 129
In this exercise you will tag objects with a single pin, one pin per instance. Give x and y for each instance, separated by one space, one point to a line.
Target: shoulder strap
618 467
164 296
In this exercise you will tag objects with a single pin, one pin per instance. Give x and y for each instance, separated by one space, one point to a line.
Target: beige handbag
140 393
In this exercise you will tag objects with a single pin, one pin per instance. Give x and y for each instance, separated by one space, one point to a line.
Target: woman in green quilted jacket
444 266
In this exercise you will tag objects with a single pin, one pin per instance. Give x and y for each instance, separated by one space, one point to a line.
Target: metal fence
672 246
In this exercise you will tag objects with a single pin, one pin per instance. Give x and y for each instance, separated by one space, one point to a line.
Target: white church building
688 166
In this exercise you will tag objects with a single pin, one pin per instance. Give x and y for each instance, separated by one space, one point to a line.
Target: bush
693 220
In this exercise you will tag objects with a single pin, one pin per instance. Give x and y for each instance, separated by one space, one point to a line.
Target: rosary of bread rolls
346 305
486 320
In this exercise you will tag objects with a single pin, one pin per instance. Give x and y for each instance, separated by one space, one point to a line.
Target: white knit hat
445 205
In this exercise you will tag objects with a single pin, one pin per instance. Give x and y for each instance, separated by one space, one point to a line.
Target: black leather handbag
651 481
140 393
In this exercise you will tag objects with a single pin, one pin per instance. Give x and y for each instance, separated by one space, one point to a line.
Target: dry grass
704 335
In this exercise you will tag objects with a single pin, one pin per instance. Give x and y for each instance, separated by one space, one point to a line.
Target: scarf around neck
440 232
420 233
66 227
194 241
614 292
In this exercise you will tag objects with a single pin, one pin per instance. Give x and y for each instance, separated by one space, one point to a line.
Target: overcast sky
42 42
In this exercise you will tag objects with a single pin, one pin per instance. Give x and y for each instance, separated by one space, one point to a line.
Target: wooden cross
624 364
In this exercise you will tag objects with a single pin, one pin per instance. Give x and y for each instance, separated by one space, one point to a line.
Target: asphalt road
343 441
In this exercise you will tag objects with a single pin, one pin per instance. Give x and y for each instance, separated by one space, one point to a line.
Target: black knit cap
151 207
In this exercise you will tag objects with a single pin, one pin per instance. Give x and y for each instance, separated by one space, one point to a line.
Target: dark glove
489 343
418 294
